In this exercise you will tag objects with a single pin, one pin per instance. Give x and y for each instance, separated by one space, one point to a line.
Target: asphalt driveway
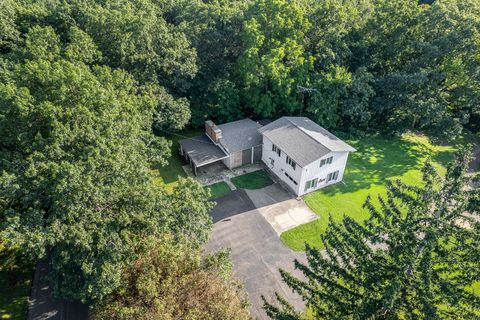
256 250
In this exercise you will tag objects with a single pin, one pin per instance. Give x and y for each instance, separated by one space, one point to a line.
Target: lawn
168 175
253 180
377 160
218 189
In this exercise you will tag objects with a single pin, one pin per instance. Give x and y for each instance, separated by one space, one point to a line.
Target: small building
235 143
303 154
297 150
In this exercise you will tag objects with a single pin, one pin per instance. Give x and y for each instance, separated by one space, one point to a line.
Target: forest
90 88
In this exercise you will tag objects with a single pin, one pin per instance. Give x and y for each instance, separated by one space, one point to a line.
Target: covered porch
200 152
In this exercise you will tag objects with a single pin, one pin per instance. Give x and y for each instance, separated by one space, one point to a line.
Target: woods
88 89
372 66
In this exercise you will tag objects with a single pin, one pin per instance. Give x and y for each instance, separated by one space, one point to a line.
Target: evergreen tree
416 257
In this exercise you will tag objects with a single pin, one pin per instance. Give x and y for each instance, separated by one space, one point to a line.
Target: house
235 143
301 153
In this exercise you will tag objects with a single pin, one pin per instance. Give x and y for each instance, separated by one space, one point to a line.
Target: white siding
313 170
302 175
280 165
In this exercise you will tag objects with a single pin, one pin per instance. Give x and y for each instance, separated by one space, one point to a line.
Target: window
291 162
311 184
291 179
326 161
332 176
276 149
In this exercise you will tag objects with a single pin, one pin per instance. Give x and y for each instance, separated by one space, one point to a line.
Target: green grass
253 180
167 176
377 160
218 189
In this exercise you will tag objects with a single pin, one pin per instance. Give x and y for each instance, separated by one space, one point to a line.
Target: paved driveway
257 252
42 306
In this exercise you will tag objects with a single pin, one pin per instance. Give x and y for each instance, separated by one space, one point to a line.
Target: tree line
356 66
84 82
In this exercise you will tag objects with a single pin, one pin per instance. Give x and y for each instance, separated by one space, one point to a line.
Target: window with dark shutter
291 162
328 160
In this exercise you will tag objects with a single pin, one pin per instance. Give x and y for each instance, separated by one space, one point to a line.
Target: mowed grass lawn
218 189
168 175
377 160
253 180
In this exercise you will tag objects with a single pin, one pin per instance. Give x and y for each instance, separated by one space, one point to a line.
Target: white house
302 154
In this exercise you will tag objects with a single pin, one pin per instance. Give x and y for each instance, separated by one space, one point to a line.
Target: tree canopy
76 148
170 281
416 257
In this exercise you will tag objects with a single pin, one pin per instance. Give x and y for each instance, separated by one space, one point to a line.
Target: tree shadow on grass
170 172
378 159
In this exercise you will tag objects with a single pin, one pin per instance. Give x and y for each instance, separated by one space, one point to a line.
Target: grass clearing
167 176
377 160
253 180
218 189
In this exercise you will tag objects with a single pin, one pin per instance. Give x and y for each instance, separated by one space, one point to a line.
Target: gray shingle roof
302 139
202 150
240 135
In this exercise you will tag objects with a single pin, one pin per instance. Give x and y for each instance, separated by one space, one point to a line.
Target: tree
415 70
215 29
76 147
414 258
274 61
170 281
9 34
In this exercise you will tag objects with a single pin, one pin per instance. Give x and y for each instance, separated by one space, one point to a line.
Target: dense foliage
415 258
84 82
370 65
170 281
76 147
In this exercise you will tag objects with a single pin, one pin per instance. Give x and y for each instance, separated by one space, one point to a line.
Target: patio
217 171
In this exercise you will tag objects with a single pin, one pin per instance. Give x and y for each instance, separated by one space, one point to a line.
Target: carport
200 151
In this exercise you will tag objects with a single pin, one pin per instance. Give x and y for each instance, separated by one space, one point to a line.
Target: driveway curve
256 250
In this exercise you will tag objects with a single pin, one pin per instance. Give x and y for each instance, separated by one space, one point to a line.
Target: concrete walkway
217 172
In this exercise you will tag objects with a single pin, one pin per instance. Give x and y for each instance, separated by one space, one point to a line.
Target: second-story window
326 161
291 162
276 149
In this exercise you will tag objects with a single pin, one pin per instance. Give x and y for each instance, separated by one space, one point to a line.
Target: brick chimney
213 131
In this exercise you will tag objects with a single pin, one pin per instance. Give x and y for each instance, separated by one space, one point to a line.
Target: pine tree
416 257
